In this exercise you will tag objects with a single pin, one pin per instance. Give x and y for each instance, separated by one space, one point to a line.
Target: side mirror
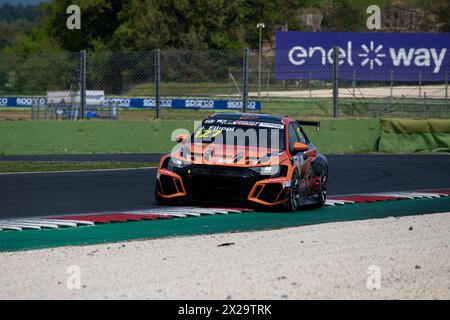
300 147
181 137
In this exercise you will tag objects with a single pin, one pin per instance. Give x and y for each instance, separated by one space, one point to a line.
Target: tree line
136 25
28 34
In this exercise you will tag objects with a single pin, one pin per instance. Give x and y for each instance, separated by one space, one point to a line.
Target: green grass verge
6 167
346 136
87 137
154 136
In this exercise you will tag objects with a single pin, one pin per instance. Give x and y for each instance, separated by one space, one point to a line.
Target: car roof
248 116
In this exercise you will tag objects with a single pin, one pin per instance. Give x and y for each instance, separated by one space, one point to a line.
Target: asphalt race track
40 194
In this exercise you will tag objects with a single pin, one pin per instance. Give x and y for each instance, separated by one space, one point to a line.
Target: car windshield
240 133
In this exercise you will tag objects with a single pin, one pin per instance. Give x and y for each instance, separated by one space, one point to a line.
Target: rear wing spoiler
310 124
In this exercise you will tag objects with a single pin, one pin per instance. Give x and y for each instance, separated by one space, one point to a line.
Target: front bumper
221 184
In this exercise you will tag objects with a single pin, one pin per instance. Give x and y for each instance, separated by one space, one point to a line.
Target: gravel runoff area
404 258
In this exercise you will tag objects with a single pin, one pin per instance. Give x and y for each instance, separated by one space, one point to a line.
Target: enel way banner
363 56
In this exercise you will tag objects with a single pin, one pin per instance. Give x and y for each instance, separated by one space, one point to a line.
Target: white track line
426 194
20 225
443 195
202 211
42 224
183 211
77 171
394 195
165 212
54 222
177 215
194 214
336 202
38 224
10 227
76 222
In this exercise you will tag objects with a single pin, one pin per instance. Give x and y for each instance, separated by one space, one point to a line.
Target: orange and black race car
245 159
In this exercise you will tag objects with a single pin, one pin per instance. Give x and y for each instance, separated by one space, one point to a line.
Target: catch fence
188 84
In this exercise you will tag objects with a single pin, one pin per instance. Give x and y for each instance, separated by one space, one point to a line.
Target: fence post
82 83
33 111
403 106
424 104
392 90
446 93
157 82
420 83
335 83
309 83
229 84
354 84
245 84
259 67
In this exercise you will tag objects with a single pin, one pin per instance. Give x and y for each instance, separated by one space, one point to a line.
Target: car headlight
177 163
268 171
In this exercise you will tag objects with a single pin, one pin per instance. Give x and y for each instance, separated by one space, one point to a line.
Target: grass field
6 167
87 137
90 137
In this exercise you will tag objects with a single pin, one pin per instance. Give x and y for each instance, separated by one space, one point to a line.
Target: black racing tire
162 201
294 195
322 194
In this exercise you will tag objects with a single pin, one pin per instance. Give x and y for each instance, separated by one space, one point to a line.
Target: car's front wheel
161 200
294 199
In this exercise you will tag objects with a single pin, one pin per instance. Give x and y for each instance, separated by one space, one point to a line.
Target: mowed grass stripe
55 166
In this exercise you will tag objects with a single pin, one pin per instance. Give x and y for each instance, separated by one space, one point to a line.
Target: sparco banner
95 97
363 56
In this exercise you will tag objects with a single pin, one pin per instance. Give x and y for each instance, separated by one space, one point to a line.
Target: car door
303 160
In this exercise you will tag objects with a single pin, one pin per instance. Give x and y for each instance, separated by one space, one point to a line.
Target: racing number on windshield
207 133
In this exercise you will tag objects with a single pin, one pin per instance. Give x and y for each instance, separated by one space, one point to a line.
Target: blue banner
143 103
150 103
363 56
22 101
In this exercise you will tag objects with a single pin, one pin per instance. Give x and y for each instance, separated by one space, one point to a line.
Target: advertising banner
363 56
134 103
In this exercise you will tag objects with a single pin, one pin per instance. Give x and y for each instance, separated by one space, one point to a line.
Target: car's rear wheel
294 199
322 194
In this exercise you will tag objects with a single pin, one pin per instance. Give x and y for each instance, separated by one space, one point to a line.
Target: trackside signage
22 101
363 56
137 103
